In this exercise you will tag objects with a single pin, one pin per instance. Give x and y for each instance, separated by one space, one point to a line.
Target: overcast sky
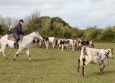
77 13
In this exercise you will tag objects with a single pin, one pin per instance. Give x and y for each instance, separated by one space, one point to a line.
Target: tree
107 35
31 22
1 30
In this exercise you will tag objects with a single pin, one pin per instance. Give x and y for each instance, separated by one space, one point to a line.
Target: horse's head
38 36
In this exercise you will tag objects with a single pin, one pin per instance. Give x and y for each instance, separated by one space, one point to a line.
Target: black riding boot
16 45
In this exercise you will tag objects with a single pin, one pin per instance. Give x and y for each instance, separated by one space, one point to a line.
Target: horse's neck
32 35
28 38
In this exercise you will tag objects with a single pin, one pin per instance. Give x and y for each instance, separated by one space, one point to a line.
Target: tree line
58 28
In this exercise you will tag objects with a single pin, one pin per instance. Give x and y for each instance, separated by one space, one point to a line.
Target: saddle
12 38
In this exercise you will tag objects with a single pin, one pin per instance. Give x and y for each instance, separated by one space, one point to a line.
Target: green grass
52 66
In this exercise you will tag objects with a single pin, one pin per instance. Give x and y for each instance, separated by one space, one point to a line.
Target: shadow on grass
46 59
88 75
38 60
104 73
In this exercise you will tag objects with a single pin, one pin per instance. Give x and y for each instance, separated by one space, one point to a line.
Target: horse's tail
0 41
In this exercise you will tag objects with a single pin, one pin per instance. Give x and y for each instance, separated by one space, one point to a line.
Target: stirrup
16 45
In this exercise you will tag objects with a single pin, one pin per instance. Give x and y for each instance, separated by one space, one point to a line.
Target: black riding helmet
21 20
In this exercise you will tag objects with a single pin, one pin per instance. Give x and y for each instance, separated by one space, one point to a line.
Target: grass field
52 66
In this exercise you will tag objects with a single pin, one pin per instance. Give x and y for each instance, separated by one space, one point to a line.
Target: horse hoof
6 59
13 59
31 61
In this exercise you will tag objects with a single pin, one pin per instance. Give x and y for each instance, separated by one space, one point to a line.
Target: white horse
24 44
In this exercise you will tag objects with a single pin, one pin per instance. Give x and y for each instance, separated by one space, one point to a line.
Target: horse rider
17 32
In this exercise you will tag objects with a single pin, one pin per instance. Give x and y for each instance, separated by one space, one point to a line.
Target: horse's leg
19 50
28 54
3 46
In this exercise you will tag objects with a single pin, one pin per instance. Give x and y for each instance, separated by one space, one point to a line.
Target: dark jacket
18 29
